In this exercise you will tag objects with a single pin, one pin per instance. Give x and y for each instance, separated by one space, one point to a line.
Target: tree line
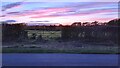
93 32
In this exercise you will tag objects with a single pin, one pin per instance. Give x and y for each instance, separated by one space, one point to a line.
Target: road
26 59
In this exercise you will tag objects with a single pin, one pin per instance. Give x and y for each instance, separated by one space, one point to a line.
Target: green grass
40 50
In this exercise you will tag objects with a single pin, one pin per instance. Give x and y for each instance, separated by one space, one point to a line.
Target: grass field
55 46
39 50
68 47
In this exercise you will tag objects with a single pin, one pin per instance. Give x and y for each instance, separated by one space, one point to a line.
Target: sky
64 13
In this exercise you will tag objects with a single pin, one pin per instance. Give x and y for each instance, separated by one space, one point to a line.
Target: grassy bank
41 50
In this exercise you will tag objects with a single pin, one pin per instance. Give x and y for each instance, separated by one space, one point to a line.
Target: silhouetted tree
12 32
115 22
86 24
76 24
95 23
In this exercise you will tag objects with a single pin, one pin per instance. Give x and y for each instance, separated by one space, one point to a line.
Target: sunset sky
59 12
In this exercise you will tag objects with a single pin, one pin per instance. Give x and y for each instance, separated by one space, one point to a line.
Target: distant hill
41 24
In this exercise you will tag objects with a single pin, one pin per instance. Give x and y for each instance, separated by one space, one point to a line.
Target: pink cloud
101 19
80 14
51 13
94 4
77 14
95 12
45 12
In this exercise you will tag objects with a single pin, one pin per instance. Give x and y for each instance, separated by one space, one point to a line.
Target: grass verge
40 50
